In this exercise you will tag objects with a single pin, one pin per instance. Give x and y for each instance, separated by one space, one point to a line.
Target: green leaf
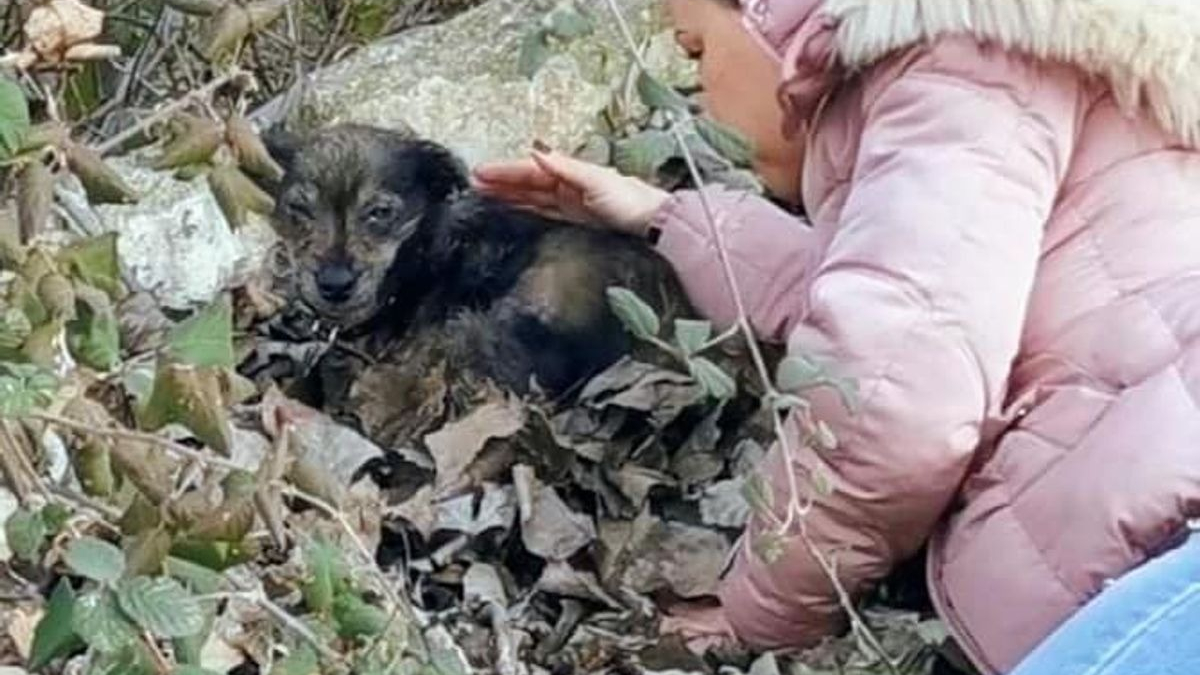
14 118
302 661
638 317
567 22
190 396
821 482
25 532
769 546
161 605
644 153
147 552
94 336
193 670
132 658
355 618
326 576
94 262
534 53
14 327
655 94
758 494
100 623
798 372
25 387
824 436
205 338
197 577
54 635
95 559
55 516
715 381
691 335
726 140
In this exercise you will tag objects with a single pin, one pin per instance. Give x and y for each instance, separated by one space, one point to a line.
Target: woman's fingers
522 172
583 176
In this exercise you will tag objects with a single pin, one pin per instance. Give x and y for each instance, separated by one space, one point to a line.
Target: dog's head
352 208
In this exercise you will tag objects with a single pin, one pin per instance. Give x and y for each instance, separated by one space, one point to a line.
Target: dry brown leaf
92 52
102 184
457 444
549 528
22 620
34 198
252 154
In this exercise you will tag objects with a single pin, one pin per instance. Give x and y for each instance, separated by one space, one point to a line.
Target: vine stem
201 94
796 510
140 437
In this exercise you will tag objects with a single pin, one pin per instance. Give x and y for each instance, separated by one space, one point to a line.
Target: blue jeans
1145 623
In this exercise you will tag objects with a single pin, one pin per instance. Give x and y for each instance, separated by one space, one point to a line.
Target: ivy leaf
100 623
534 53
14 118
715 381
146 553
726 141
355 618
644 153
655 94
25 532
161 605
302 661
94 262
54 635
192 397
95 559
691 335
94 336
638 317
205 338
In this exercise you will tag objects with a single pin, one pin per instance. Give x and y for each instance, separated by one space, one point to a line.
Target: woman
1004 253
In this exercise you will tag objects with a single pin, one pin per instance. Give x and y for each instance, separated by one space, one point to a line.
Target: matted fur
1148 50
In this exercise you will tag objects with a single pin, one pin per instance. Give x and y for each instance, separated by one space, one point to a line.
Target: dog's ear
438 170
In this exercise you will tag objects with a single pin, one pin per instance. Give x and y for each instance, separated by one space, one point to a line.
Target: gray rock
458 82
175 243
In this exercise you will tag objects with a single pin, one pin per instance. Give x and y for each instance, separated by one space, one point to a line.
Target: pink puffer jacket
1004 252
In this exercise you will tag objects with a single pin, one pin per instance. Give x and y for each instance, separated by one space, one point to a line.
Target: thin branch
140 437
201 94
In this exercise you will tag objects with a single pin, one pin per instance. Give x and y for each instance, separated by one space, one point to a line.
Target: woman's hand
560 186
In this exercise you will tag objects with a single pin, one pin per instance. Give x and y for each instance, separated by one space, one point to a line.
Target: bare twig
201 94
140 437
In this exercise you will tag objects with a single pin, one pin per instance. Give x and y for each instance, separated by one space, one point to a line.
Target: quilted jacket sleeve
920 298
769 251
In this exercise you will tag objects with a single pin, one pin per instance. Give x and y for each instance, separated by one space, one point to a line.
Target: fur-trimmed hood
1147 50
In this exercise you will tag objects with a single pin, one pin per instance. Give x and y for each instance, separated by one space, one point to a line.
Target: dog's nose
335 282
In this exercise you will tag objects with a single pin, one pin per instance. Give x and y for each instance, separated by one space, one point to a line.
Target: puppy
385 239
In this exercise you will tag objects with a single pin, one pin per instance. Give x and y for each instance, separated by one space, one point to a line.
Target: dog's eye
379 217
